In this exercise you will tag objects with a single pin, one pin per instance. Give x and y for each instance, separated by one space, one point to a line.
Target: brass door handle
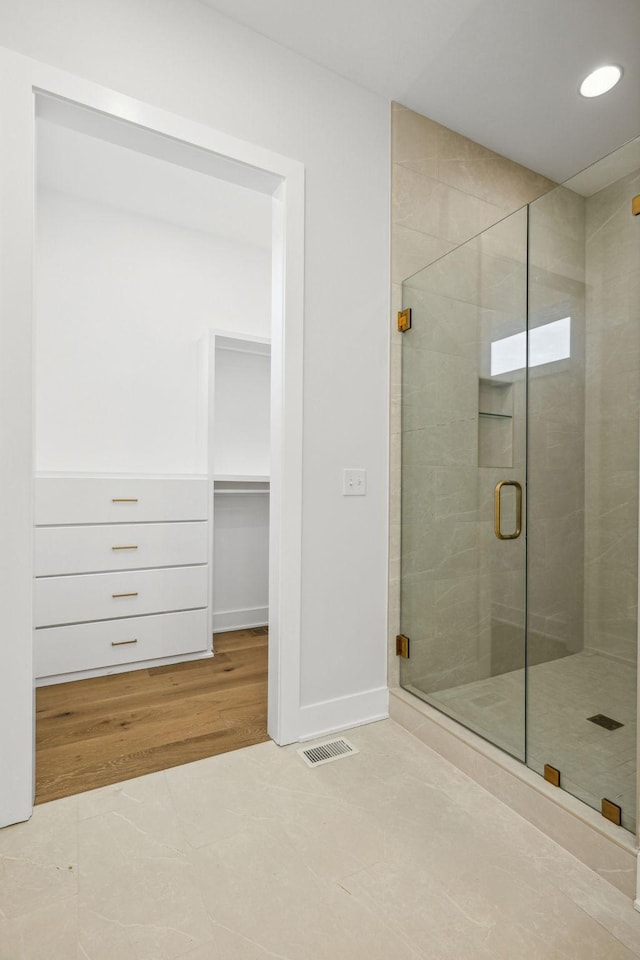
126 547
497 520
124 500
116 595
122 643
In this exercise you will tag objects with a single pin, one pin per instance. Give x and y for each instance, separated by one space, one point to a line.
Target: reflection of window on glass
547 343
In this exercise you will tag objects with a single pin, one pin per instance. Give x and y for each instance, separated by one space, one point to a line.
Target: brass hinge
402 646
611 811
635 206
404 320
552 775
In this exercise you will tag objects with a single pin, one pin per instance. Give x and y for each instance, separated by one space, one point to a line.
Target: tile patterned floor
562 694
389 854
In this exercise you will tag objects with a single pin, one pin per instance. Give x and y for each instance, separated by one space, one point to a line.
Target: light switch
354 483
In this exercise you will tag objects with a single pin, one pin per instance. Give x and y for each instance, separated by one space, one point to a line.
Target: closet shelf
237 491
240 478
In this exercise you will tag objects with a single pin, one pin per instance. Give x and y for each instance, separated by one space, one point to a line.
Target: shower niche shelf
495 424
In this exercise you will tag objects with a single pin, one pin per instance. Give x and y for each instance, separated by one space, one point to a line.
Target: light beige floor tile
48 933
227 945
138 898
264 889
599 899
478 909
39 859
217 798
389 853
144 803
278 792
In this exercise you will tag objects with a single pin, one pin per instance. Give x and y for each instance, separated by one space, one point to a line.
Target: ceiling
503 72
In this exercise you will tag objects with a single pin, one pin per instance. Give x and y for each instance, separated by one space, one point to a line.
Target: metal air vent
327 751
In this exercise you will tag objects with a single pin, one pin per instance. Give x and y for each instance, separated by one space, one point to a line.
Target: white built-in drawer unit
122 573
105 596
108 643
103 500
96 549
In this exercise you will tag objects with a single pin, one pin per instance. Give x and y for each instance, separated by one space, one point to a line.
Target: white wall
122 303
240 444
178 55
241 561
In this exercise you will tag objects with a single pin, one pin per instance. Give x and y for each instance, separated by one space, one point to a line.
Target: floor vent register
327 751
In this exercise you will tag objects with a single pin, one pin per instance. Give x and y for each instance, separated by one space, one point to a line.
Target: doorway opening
153 323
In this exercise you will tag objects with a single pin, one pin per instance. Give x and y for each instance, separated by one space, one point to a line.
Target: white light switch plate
354 483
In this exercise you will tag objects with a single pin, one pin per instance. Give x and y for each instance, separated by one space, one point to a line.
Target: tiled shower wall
612 415
445 190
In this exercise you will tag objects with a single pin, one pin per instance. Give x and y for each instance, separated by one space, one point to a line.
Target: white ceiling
503 72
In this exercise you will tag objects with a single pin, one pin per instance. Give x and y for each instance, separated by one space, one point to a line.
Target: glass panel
463 432
584 257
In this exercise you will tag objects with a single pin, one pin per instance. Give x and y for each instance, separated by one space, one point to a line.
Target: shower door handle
497 519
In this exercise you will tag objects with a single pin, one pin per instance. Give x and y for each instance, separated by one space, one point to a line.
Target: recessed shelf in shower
495 424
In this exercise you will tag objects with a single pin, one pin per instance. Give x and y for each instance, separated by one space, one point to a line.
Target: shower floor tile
561 696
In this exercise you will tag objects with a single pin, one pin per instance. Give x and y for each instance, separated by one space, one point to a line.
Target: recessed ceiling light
600 81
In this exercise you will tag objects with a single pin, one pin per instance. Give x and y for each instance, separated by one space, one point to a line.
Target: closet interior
152 410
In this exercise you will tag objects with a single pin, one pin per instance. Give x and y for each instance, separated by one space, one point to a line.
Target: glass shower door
584 410
463 474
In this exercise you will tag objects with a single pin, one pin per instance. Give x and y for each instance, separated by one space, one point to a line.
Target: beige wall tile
412 250
413 137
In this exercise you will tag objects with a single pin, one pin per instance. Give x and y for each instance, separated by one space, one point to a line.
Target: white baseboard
240 619
331 716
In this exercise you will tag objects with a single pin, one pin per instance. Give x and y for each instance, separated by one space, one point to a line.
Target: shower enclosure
520 455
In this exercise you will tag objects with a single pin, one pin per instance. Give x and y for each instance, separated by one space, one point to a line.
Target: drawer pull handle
116 595
122 643
124 500
127 547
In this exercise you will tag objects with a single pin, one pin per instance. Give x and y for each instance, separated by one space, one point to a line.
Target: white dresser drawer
93 549
63 500
88 646
103 596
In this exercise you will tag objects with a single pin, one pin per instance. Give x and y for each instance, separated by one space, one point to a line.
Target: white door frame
20 80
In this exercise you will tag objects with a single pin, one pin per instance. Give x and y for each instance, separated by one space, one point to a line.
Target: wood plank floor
90 733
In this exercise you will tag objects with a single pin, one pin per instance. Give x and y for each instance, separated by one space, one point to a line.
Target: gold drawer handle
127 547
122 643
124 500
116 595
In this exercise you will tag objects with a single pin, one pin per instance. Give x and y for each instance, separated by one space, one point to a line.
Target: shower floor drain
327 751
605 722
